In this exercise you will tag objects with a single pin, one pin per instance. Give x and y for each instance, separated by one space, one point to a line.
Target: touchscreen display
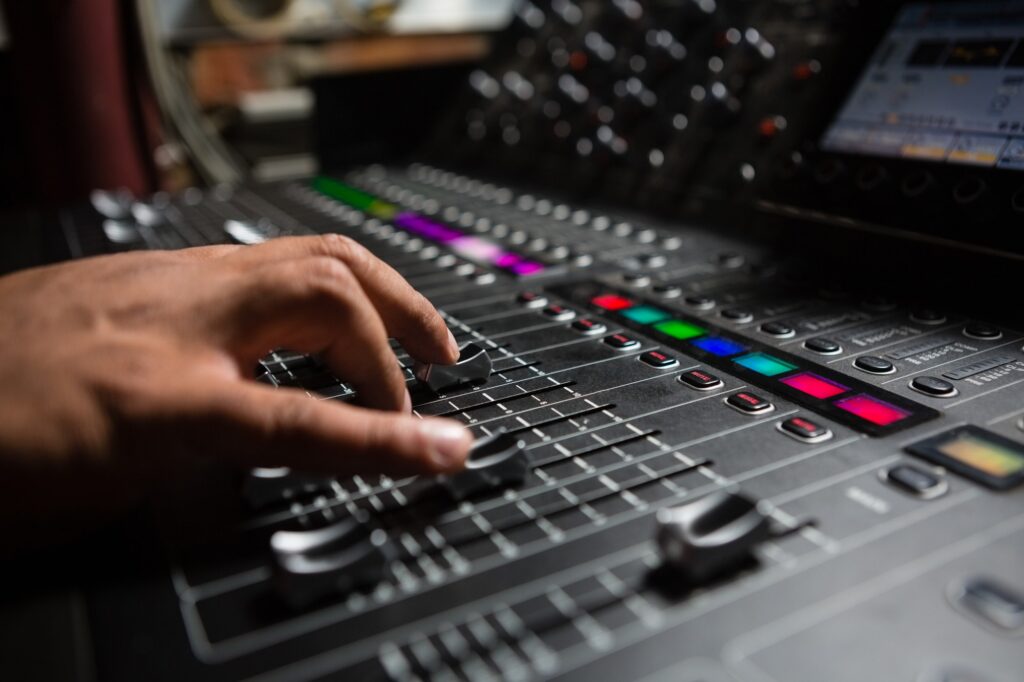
946 85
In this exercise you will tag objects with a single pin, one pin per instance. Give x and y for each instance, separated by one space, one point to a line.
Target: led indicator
646 314
612 302
815 386
680 330
718 346
991 458
872 410
765 364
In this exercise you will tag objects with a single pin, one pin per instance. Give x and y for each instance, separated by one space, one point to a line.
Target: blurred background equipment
236 78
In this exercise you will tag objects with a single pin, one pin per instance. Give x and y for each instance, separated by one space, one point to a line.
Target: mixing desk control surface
698 468
699 458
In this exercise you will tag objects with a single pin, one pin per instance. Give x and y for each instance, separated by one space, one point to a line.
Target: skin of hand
118 372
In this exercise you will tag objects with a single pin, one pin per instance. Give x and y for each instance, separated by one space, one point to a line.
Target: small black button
531 299
658 360
978 330
749 403
589 327
927 316
621 342
701 302
879 303
915 480
560 313
933 386
668 291
778 329
994 602
805 430
700 380
636 279
823 346
872 364
731 260
737 315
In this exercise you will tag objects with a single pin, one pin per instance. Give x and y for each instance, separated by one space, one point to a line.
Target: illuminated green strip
354 198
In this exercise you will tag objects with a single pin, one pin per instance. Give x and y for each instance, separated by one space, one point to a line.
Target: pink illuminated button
872 410
814 385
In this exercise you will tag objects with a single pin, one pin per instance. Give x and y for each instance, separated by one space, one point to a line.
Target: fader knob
312 564
496 461
266 486
706 538
473 366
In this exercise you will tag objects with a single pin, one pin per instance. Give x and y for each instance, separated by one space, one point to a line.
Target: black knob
704 539
474 366
310 565
496 461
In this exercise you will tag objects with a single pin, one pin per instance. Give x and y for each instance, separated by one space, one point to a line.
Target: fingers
259 426
407 315
315 305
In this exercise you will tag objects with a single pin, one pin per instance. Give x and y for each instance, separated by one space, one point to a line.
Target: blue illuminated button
645 314
765 364
719 346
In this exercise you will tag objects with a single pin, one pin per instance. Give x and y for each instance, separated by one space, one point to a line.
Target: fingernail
449 442
407 403
452 343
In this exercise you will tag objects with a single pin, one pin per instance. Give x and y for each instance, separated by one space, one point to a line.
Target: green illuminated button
678 329
765 364
645 314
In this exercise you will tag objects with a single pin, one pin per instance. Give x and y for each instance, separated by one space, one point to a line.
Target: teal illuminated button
765 364
645 314
678 329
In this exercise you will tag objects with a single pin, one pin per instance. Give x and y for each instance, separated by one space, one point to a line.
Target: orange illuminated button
749 403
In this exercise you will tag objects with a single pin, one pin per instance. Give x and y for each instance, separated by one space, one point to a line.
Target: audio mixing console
698 459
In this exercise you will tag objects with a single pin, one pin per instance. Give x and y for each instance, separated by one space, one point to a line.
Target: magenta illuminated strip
426 228
467 246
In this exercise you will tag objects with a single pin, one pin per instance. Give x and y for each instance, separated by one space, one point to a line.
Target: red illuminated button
530 299
749 403
658 360
805 430
815 386
621 342
700 380
589 327
612 302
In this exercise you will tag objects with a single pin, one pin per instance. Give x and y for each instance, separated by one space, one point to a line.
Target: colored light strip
815 386
646 314
470 247
764 364
683 331
716 345
872 410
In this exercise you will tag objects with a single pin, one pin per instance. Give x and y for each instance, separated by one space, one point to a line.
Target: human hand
116 372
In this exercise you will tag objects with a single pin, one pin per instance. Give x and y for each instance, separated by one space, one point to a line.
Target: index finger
407 315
